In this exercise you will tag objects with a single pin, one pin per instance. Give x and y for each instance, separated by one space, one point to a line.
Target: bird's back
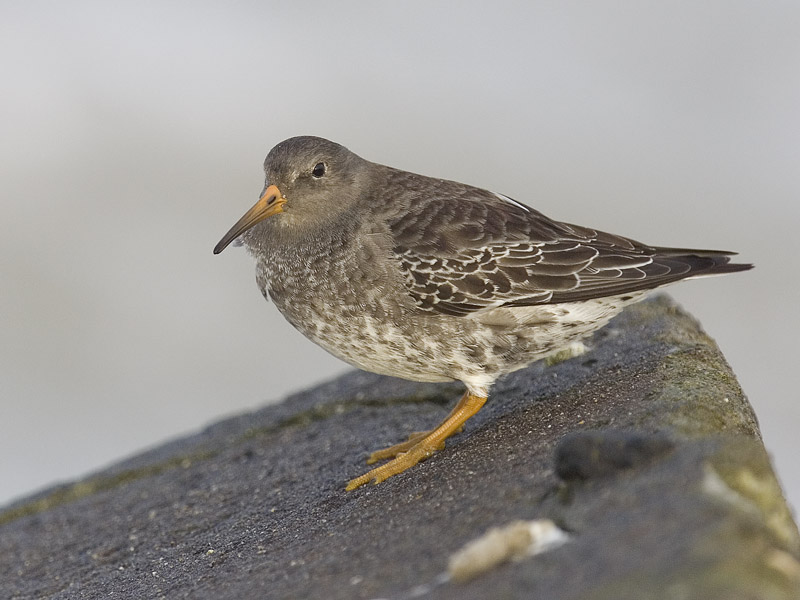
463 249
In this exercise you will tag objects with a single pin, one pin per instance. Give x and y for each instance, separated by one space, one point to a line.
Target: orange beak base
271 203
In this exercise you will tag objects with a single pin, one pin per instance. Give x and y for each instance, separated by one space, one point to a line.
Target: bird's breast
353 305
336 281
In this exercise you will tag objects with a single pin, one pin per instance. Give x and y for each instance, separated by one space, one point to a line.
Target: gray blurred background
133 136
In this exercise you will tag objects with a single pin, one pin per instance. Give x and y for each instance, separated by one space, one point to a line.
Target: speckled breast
351 302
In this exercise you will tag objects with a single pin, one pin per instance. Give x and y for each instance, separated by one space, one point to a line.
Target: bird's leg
400 448
422 445
413 438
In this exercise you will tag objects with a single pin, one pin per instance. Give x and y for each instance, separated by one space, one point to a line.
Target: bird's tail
703 263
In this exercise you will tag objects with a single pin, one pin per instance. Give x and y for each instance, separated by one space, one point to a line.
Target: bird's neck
281 233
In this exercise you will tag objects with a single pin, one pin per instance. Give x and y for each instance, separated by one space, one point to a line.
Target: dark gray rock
598 453
660 480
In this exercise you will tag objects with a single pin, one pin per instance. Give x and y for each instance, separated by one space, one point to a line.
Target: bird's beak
271 203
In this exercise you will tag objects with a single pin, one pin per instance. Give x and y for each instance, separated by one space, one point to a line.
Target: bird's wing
466 250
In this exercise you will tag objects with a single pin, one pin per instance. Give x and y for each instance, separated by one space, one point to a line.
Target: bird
434 280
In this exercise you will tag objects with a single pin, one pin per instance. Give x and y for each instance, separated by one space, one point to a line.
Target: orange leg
413 438
420 445
400 448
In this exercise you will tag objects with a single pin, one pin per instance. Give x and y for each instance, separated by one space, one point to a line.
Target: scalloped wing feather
477 250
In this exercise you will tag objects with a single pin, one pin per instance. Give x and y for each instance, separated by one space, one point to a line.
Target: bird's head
308 180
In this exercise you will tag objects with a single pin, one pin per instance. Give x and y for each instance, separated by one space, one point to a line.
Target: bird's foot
419 445
401 448
404 460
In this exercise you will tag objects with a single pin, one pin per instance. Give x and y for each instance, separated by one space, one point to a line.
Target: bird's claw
405 460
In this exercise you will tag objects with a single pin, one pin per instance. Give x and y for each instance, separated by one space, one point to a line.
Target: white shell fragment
515 541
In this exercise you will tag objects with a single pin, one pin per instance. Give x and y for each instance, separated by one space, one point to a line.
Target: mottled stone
673 495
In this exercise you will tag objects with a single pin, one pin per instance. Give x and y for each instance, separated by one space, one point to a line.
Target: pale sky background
132 136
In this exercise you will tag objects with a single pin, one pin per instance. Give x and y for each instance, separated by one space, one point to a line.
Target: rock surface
643 451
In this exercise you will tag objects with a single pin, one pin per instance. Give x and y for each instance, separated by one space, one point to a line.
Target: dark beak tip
262 209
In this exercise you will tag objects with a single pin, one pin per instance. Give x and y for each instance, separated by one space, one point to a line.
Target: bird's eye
319 170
